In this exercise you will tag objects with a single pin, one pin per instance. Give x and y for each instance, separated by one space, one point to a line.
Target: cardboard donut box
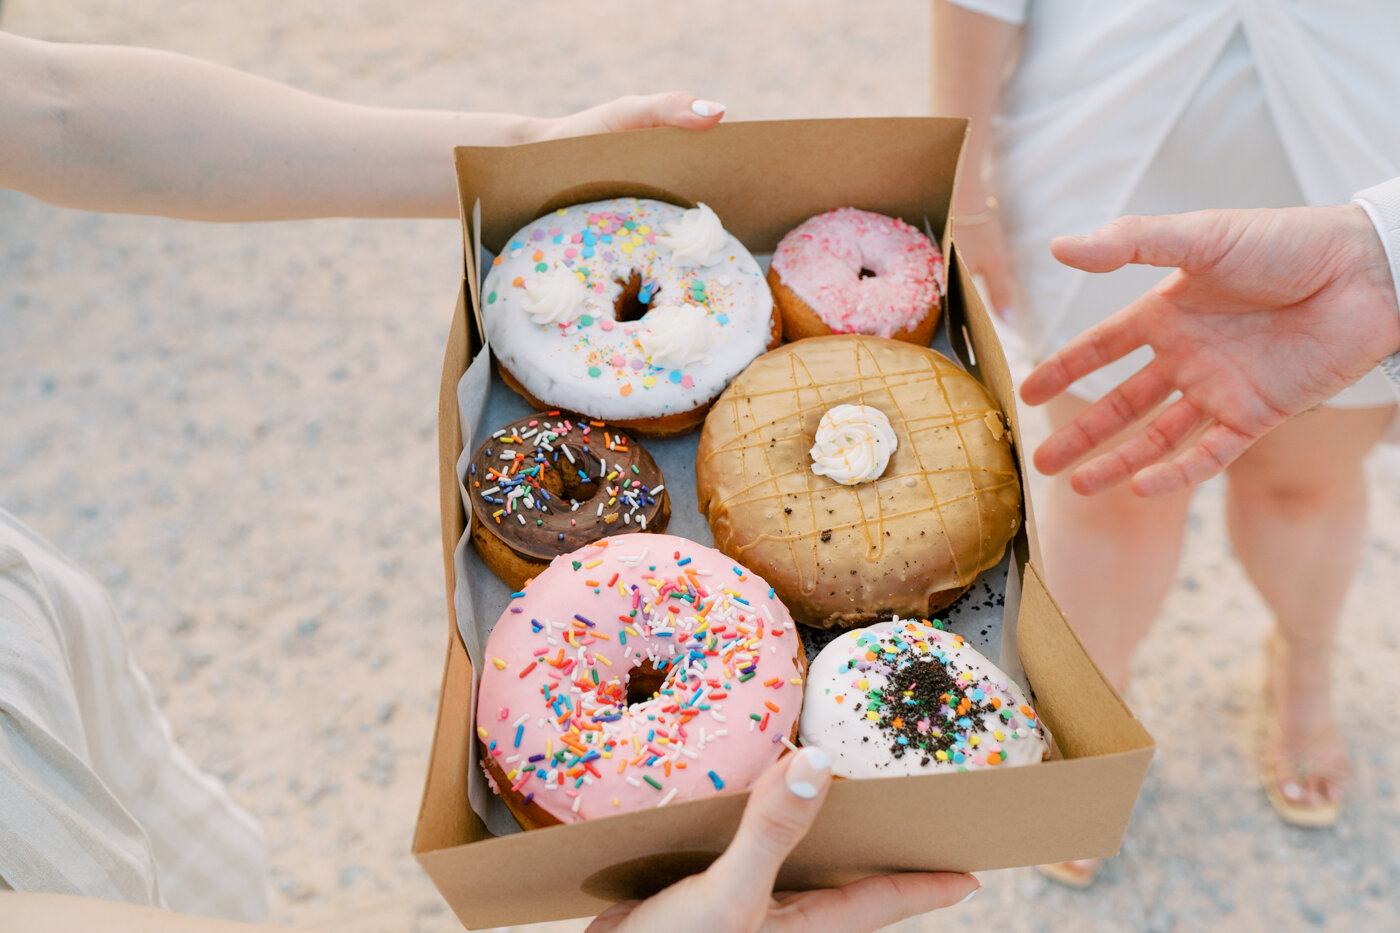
762 179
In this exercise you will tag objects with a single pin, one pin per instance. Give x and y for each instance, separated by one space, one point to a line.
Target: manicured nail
810 769
707 108
970 895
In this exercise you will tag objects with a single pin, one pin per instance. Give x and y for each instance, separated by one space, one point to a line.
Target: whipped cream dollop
555 297
697 239
854 444
676 336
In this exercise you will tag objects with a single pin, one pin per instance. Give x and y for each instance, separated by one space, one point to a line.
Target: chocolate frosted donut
550 483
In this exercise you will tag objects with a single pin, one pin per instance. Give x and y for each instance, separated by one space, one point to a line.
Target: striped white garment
95 797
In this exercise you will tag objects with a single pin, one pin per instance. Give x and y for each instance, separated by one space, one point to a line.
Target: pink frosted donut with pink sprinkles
850 271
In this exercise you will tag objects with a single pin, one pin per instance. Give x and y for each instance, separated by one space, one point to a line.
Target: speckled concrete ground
233 427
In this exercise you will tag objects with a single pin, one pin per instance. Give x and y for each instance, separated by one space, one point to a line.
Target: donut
551 483
794 487
904 697
635 312
634 672
850 271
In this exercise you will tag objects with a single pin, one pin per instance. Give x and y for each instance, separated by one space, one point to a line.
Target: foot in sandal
1076 874
1304 767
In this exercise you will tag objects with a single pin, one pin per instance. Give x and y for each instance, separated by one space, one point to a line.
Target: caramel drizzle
871 384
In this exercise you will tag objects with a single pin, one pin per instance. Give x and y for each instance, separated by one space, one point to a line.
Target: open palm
1269 313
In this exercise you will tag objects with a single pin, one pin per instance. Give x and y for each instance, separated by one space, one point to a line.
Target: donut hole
643 682
576 479
633 303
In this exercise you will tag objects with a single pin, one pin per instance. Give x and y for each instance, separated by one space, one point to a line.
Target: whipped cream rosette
854 444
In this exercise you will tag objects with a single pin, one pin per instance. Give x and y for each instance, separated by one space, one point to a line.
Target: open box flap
763 178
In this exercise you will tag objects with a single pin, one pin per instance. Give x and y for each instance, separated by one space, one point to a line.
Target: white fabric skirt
1224 152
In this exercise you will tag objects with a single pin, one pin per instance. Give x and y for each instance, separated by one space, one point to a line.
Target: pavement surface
234 428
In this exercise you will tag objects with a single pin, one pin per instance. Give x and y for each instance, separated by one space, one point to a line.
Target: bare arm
139 131
33 913
735 893
971 55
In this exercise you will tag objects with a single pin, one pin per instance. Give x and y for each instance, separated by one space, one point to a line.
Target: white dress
96 799
1161 106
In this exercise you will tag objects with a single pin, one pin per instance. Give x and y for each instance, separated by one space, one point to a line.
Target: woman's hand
636 112
1269 313
736 892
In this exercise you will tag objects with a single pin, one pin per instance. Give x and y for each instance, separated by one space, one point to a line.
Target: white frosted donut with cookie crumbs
905 697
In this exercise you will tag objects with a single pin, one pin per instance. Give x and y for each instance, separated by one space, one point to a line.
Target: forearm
40 913
140 131
971 54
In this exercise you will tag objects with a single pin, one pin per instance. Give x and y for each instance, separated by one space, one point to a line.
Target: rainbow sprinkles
634 672
626 309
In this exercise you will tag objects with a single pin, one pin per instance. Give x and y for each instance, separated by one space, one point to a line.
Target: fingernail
1292 791
707 108
810 769
970 895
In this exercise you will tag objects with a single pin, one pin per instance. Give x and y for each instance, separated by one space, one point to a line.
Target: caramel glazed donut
534 483
636 671
636 312
862 477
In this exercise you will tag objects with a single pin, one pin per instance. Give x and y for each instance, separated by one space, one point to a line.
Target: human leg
1110 559
1296 510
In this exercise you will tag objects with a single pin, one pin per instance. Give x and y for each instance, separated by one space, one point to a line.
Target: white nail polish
707 108
805 770
970 895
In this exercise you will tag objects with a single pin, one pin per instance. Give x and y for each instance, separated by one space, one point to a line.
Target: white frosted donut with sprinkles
905 697
634 672
634 311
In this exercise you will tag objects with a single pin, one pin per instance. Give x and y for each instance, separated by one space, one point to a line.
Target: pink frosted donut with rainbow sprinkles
850 271
637 671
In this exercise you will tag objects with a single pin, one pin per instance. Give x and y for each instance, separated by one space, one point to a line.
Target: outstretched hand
735 893
1269 313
